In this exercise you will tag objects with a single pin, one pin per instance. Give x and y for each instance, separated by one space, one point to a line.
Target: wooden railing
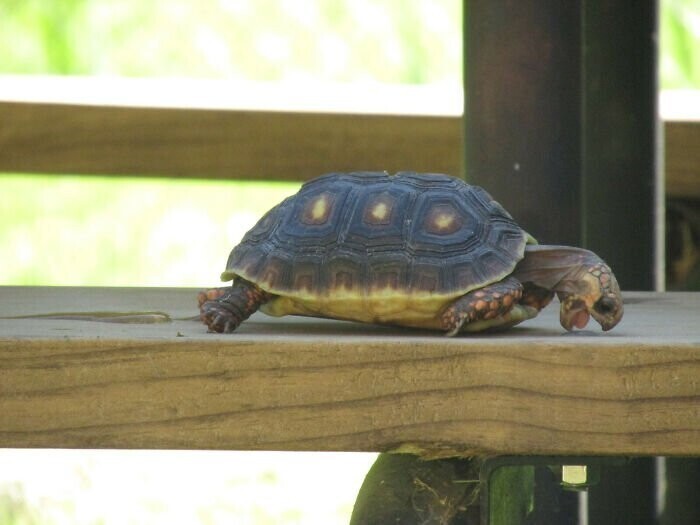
682 158
252 145
255 145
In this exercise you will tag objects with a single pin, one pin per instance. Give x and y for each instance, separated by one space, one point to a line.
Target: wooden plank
682 159
312 384
53 138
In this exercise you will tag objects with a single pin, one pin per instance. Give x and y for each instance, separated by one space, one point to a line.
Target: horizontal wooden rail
54 138
308 384
682 158
256 145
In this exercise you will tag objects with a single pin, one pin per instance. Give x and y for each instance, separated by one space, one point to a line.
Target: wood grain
53 138
682 159
307 384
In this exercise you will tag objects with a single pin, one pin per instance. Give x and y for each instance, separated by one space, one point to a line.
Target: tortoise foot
230 306
218 317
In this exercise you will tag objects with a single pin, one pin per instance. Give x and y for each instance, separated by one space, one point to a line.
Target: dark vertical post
624 495
560 123
680 499
522 111
619 189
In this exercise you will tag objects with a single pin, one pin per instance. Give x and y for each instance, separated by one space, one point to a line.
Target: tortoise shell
375 247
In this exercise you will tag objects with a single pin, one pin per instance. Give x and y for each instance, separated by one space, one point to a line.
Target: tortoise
411 249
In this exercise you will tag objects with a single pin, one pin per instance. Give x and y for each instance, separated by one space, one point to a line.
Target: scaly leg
211 294
536 296
494 305
235 305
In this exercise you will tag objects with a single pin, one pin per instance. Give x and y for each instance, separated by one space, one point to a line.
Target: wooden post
621 188
560 109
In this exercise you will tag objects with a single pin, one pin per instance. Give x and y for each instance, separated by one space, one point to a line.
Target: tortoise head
592 292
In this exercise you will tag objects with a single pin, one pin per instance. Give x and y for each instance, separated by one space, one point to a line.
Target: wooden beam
309 384
107 140
682 158
54 138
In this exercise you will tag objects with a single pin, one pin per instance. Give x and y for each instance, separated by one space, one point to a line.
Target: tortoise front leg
536 296
233 306
494 305
211 294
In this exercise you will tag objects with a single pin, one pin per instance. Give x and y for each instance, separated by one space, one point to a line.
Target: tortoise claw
456 327
217 318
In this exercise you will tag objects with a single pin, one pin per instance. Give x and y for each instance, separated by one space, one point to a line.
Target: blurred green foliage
414 41
680 44
41 36
393 41
92 231
14 508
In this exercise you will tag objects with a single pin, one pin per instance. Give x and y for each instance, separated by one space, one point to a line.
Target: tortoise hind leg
493 306
233 306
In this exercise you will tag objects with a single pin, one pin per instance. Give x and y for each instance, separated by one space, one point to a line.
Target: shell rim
231 274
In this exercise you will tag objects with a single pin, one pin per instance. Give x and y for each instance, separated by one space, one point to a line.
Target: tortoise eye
605 305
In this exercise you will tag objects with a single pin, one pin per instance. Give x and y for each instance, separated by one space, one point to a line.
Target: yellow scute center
380 211
444 220
319 209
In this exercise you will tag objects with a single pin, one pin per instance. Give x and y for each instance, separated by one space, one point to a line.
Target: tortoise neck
548 266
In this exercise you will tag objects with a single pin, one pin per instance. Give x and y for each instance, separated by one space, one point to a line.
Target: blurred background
138 231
